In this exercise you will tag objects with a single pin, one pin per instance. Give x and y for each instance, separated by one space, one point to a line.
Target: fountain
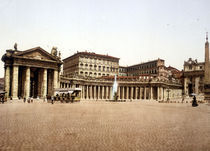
114 90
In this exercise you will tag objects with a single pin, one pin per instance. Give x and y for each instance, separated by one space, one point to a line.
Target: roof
19 53
91 54
146 62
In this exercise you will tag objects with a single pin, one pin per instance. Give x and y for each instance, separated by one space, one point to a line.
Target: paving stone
98 125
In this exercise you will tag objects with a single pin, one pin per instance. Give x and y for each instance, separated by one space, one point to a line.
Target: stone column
107 92
118 92
44 83
185 86
197 79
110 89
91 92
27 83
151 93
87 92
160 89
145 93
102 94
136 93
83 87
158 93
140 93
123 92
99 92
163 94
131 92
15 82
127 89
55 81
95 92
7 80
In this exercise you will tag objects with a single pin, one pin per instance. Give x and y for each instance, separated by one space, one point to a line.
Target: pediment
37 54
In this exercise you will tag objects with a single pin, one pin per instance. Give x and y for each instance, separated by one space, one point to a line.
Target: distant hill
1 83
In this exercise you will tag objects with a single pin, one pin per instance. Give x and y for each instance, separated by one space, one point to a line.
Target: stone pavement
106 126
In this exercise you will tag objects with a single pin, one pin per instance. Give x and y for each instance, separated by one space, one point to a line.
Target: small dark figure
24 100
29 100
194 102
32 100
52 100
2 100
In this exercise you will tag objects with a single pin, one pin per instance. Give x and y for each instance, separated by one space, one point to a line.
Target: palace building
31 73
90 64
150 67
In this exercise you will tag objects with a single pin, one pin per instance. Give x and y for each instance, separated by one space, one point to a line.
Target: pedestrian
24 99
194 102
32 100
3 100
52 99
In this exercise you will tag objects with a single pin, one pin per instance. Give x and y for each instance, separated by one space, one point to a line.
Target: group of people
29 100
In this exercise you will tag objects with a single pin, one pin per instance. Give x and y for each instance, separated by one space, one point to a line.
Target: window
201 67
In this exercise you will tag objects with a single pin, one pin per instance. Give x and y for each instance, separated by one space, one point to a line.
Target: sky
134 30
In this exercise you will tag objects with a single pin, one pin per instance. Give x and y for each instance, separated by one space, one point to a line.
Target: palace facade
90 64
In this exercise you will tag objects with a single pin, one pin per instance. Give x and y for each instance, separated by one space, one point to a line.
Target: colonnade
20 84
101 92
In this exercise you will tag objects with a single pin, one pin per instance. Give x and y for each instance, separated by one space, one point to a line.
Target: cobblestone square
92 125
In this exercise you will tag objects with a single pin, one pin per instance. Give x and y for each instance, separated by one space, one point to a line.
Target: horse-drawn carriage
66 95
